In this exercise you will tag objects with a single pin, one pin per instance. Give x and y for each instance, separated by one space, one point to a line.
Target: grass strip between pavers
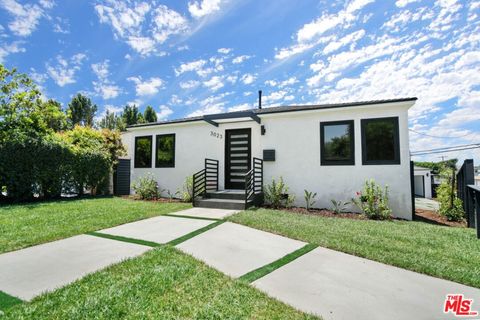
194 233
7 301
124 239
266 269
190 217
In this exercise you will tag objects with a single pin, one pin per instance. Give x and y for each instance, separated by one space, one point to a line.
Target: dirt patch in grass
432 217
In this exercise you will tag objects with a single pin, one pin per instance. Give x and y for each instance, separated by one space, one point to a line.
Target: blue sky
205 56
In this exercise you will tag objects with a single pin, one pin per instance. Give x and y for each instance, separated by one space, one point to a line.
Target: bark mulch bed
326 213
432 217
162 200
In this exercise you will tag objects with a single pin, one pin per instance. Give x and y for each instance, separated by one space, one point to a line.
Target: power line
420 153
439 137
453 147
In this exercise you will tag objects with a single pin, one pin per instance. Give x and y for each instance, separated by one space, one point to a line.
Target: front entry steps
226 199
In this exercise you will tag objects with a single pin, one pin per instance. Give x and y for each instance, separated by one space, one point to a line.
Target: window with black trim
337 143
380 141
143 152
165 154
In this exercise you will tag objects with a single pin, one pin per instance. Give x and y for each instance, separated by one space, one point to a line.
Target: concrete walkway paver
336 285
29 272
236 250
427 204
161 229
206 213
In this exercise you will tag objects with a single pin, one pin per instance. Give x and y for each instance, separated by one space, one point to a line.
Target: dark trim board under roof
253 113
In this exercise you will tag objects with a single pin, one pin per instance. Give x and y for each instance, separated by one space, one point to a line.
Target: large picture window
337 143
143 152
380 141
165 155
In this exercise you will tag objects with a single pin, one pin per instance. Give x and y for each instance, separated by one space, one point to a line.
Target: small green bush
450 206
146 188
187 189
373 201
309 198
339 206
276 194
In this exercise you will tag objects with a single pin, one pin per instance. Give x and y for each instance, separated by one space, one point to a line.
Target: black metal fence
469 194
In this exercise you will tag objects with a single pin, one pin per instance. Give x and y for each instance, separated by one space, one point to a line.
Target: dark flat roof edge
281 109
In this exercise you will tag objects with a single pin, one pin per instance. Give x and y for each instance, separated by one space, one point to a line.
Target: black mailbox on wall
269 155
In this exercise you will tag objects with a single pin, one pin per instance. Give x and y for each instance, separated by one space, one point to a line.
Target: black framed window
165 153
337 143
380 141
143 152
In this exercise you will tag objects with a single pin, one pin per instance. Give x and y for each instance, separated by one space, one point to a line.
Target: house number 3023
216 135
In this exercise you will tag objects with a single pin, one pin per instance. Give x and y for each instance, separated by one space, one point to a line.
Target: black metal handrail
254 180
206 179
473 198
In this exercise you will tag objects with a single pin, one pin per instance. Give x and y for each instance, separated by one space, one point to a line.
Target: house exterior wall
423 177
295 136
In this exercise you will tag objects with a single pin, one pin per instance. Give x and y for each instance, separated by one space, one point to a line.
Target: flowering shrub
373 201
146 188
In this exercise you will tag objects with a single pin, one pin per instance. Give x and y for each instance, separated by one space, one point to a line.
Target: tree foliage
150 115
39 156
81 111
112 121
131 115
436 167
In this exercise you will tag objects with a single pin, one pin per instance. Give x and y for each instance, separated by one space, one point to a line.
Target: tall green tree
81 111
53 115
112 121
20 106
150 115
131 115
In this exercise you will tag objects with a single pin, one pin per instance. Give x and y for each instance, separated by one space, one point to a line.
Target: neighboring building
422 182
328 149
477 175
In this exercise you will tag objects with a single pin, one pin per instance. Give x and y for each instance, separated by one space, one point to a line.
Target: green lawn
443 252
25 225
162 284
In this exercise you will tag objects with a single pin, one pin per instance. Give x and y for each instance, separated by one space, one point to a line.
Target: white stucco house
423 182
331 149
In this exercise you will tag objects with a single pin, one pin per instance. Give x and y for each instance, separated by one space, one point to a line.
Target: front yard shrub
373 201
276 194
187 189
339 206
450 206
146 188
309 198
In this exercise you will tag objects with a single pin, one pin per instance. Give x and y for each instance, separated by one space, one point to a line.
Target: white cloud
164 112
240 59
25 17
224 50
404 3
141 25
64 72
190 66
248 78
308 36
190 84
202 8
240 107
146 87
214 83
351 38
7 49
104 86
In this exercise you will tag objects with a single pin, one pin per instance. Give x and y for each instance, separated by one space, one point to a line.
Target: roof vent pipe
259 99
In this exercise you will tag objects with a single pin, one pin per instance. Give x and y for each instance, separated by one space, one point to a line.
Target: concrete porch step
227 194
222 204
